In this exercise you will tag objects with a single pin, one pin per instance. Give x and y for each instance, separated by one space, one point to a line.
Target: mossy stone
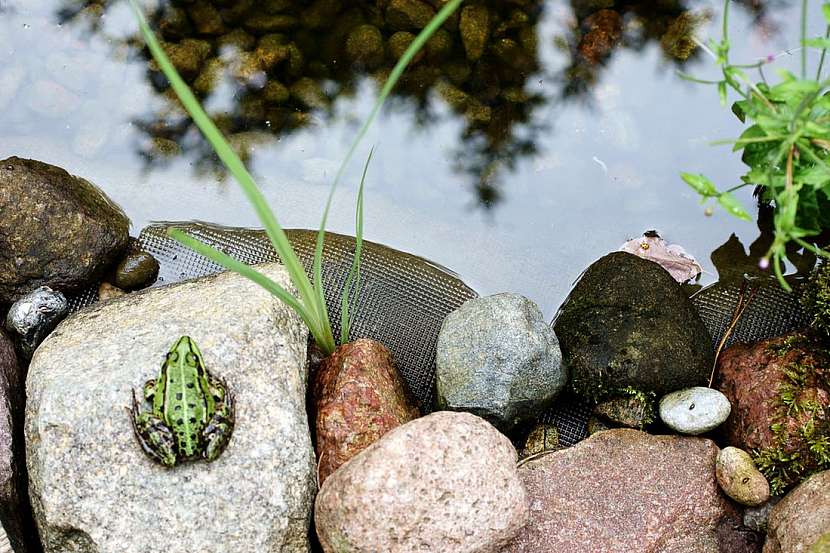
628 324
475 30
136 270
399 42
406 15
365 45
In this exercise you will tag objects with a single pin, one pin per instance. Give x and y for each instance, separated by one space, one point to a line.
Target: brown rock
15 512
475 30
623 490
57 230
777 388
358 397
107 292
206 18
404 15
801 518
444 483
604 32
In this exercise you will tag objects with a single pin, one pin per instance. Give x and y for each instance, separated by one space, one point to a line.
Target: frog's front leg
218 431
155 437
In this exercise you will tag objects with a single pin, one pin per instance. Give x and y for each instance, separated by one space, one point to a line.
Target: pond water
515 170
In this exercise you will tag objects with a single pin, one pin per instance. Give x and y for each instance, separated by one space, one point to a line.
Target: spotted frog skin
192 411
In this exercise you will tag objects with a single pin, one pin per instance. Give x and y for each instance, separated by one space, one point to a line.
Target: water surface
516 170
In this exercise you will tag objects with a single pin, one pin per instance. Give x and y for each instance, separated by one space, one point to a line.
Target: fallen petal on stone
672 258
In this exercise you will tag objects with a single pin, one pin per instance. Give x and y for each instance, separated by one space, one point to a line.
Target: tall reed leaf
311 305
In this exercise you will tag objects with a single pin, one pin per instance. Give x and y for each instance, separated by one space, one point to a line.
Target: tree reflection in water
284 63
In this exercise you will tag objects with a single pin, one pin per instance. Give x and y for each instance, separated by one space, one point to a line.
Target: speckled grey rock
497 358
92 487
57 230
34 316
694 410
756 518
739 478
446 482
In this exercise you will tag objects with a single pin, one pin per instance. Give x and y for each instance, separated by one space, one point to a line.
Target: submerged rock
365 45
628 325
358 397
623 490
405 15
740 479
780 395
57 230
33 317
694 410
475 30
92 487
802 518
445 482
497 358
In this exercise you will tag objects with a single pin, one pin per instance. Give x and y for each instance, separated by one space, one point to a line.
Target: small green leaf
700 184
825 8
739 109
722 92
821 42
733 206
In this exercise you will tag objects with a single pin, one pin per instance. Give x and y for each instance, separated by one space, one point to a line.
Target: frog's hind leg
154 436
218 431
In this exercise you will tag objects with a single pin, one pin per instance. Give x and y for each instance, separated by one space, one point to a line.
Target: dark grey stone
57 230
34 316
627 325
15 511
497 358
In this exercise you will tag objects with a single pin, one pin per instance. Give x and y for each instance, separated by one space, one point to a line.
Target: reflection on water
283 63
563 121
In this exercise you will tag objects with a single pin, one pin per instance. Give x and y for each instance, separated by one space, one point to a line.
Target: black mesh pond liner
403 300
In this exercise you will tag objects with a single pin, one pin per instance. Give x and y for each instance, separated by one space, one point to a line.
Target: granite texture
446 482
94 490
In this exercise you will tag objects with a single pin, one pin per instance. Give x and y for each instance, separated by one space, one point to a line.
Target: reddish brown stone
777 388
604 32
622 491
358 397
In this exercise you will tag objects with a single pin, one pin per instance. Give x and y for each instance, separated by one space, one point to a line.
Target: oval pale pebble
739 478
694 410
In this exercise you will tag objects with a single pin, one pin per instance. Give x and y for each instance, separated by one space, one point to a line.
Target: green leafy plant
786 145
311 303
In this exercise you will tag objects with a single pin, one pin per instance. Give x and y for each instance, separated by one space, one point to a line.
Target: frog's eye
191 359
173 356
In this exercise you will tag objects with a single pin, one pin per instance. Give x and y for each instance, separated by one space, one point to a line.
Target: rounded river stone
628 324
694 410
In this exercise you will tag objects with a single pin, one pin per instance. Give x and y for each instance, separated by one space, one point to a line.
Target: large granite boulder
623 490
777 388
802 518
445 482
15 513
628 325
56 230
92 487
497 358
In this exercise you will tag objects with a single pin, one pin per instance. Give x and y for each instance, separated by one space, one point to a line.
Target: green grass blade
354 273
250 273
390 83
238 170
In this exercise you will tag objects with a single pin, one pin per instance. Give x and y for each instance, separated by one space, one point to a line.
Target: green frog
193 411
